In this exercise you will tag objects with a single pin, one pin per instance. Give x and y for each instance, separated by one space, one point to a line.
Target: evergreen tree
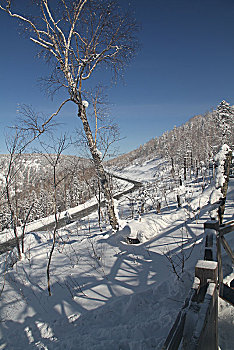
224 119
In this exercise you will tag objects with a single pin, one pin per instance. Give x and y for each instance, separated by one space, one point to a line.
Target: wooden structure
196 326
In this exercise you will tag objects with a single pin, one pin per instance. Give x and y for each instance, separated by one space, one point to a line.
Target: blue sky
185 67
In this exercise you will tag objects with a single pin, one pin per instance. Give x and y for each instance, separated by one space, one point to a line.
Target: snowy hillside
195 142
107 294
31 185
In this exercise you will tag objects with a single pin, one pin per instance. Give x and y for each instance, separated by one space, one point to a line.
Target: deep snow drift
107 294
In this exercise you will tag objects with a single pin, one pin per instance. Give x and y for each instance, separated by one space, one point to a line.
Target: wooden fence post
201 323
206 271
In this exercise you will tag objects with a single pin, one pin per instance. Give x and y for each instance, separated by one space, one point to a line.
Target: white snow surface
145 171
107 294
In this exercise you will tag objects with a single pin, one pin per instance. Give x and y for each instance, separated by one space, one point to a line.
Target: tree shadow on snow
136 268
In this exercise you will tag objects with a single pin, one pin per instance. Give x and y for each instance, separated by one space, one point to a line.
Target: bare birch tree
10 177
54 159
79 36
15 145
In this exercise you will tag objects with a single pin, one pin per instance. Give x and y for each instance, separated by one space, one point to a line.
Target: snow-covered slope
107 294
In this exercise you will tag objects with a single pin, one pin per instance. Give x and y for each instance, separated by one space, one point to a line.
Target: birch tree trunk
99 168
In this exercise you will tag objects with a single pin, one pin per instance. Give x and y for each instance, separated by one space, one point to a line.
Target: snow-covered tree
225 121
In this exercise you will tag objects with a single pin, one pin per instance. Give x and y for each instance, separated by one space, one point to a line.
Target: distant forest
195 142
31 179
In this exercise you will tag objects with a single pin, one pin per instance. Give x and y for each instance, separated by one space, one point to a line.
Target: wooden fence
196 326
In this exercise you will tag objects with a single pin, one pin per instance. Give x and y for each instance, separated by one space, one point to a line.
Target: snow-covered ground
107 294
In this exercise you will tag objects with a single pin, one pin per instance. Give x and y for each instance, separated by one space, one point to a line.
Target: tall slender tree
78 37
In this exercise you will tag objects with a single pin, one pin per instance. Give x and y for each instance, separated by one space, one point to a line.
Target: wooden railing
225 292
196 326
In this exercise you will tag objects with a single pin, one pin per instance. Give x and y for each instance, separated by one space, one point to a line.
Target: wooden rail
196 327
225 292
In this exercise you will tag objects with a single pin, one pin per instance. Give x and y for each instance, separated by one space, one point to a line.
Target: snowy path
77 213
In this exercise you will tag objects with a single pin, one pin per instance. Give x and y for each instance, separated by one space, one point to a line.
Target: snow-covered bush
220 160
220 177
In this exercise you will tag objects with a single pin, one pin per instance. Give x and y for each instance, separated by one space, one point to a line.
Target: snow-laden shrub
220 160
220 177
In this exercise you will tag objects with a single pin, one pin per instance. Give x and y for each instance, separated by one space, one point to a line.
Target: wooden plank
227 223
208 339
219 258
212 224
176 333
175 336
210 246
226 229
227 294
206 270
200 329
227 248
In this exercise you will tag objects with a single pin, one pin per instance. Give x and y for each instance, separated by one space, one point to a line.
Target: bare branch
56 113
